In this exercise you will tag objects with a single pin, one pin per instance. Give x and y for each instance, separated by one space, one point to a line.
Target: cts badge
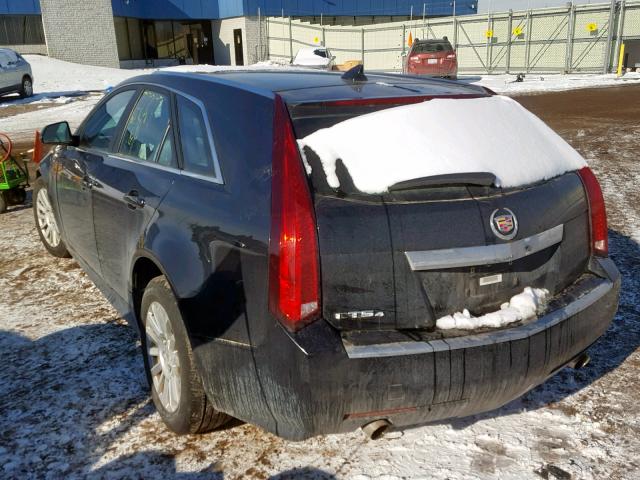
504 223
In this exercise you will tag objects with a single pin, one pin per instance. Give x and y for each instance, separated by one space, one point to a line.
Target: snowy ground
75 402
537 83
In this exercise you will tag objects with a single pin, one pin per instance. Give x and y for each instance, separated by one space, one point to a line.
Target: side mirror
58 134
404 54
333 57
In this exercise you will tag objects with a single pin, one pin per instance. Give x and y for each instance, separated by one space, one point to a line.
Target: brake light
451 55
294 270
597 211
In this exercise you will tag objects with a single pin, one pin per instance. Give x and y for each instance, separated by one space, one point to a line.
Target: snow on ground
537 83
21 127
75 402
530 151
57 77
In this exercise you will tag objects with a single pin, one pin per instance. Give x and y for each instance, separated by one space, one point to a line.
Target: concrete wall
222 33
28 49
80 31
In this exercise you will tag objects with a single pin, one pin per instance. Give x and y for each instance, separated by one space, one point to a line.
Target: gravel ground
75 402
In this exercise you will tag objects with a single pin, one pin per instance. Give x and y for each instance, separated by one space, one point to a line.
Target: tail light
451 55
294 271
597 211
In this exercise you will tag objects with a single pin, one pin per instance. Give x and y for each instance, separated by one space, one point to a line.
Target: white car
314 57
15 74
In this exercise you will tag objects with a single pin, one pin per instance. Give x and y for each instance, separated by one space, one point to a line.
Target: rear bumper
317 382
441 70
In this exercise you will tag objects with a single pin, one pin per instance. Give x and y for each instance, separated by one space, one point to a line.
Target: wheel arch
144 268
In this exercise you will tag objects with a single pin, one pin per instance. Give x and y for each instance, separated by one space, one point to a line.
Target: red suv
432 57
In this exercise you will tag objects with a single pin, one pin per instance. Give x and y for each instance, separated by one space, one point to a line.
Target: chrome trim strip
482 339
484 255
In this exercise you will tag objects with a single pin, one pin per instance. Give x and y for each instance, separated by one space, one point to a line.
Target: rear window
431 47
368 148
310 117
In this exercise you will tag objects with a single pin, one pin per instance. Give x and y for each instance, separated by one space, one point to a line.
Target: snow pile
441 136
506 84
309 57
56 77
520 307
260 66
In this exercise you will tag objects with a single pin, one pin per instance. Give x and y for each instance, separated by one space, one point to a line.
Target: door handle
133 200
87 182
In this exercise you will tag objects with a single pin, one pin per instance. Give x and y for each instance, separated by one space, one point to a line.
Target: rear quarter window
198 155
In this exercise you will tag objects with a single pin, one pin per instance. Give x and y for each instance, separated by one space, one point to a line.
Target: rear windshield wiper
483 179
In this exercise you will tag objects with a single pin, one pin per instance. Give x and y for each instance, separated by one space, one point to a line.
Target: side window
101 125
167 155
147 127
196 150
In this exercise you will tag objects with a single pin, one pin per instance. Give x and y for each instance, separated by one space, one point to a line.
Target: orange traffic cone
410 42
37 149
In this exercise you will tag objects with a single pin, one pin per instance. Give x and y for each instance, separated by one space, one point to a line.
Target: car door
74 171
13 71
5 73
131 182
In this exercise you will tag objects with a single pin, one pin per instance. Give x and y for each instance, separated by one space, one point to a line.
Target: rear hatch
434 55
405 257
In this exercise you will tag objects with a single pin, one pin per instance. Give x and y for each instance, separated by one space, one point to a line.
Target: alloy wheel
164 362
46 219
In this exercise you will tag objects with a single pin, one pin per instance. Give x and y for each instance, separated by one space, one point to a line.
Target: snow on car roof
443 136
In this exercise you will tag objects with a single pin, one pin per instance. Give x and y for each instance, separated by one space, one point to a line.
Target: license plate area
432 61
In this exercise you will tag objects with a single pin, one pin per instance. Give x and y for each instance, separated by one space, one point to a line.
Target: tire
46 222
3 203
26 88
21 196
188 410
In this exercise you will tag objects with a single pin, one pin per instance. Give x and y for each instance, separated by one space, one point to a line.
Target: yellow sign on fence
518 31
592 27
488 34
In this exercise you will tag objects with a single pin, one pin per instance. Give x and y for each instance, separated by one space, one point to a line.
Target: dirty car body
361 343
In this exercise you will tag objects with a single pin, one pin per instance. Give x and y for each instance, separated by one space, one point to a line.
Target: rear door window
198 155
101 126
147 128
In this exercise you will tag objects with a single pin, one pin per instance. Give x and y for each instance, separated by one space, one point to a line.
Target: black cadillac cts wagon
261 292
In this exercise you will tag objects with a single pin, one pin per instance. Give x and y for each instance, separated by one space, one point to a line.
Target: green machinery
14 178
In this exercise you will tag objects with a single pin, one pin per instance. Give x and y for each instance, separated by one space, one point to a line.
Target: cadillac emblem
504 223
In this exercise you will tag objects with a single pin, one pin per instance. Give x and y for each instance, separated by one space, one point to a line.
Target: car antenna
355 74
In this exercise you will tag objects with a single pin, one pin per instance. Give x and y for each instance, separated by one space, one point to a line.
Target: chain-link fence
584 38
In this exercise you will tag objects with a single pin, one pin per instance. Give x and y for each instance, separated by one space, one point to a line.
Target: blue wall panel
213 9
19 7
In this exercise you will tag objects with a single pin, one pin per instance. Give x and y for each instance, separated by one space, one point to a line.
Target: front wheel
176 386
26 89
46 222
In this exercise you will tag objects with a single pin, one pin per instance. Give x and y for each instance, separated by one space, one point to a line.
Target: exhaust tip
376 429
580 361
